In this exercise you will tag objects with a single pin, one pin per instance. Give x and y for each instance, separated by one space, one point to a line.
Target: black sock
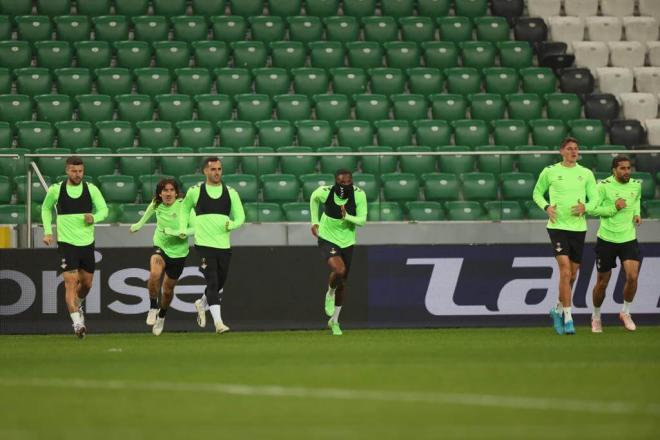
153 303
162 313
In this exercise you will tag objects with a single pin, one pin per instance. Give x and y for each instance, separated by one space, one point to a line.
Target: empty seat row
593 54
617 80
587 8
571 29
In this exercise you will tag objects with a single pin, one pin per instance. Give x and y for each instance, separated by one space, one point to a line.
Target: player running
345 207
79 206
570 186
219 211
619 212
170 250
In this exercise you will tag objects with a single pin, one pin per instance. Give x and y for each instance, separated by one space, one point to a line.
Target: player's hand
315 230
637 220
620 204
342 209
579 209
48 239
134 228
89 219
552 213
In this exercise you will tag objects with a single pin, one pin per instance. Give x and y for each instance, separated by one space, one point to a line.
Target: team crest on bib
203 265
63 264
333 251
558 248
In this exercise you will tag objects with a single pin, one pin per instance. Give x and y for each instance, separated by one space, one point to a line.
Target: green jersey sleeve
360 217
147 215
47 208
320 195
237 214
100 207
540 189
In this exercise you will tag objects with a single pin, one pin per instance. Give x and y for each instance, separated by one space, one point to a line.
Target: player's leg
575 248
71 288
631 267
156 268
605 262
168 293
342 274
335 283
564 299
222 261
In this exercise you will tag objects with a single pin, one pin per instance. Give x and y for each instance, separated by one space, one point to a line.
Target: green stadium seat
32 28
322 8
515 54
133 54
287 54
5 81
310 182
5 28
359 8
354 133
93 7
502 210
14 108
402 54
502 80
259 165
372 107
233 81
648 184
115 134
75 28
418 164
448 106
464 211
314 134
651 207
178 165
150 28
53 7
34 134
394 133
364 54
369 184
348 81
471 8
38 191
564 106
230 163
136 166
214 108
479 186
409 107
267 28
387 81
292 107
588 132
93 54
74 134
132 212
456 163
380 164
455 29
73 81
254 107
425 80
271 81
95 108
305 29
134 108
169 8
249 54
174 107
310 81
98 165
494 163
548 132
208 8
493 29
417 29
539 80
193 81
53 54
533 212
195 134
6 135
110 28
425 211
332 107
148 185
131 8
517 186
280 187
510 132
229 28
440 54
384 212
14 167
190 28
245 184
53 108
478 54
296 212
440 186
400 187
6 190
534 163
189 180
210 54
15 54
603 162
33 81
463 80
275 134
153 81
297 165
263 212
12 214
247 8
16 7
397 8
171 54
236 134
432 132
114 81
487 106
155 134
471 132
601 175
338 161
524 106
52 166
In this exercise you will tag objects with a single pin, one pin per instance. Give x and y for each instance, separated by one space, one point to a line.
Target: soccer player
219 211
170 251
79 206
345 209
573 192
619 211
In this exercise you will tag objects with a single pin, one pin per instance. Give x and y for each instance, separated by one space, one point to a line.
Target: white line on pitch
486 400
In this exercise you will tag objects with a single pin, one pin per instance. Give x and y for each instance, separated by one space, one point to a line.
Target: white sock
205 303
559 307
331 291
596 313
215 313
626 307
335 316
567 314
75 317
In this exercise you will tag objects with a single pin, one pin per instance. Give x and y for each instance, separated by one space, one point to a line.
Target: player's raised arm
147 215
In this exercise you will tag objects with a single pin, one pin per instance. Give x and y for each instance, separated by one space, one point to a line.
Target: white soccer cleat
157 329
151 316
596 325
628 323
201 313
80 330
220 327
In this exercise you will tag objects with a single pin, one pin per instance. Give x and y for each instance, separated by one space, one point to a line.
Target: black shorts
75 257
569 243
607 252
329 249
173 266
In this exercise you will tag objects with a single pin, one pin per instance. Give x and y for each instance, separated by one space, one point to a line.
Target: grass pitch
384 384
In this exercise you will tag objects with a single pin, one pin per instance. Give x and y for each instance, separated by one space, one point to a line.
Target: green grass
393 384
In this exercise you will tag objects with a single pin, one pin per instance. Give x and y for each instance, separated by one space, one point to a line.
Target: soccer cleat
151 316
201 313
79 330
334 326
329 304
157 329
220 327
569 328
596 325
557 320
628 323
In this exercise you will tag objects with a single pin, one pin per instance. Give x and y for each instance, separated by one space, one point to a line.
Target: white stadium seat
649 7
591 54
617 8
647 79
640 106
641 29
615 80
653 130
626 53
581 8
604 28
566 29
543 8
653 48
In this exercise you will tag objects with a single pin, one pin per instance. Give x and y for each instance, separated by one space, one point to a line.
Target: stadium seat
416 29
393 133
93 54
195 134
432 132
387 81
148 184
14 108
245 184
615 80
348 81
402 54
331 163
249 54
326 54
515 54
502 210
300 164
409 107
33 81
534 163
93 7
463 80
6 190
422 211
494 163
253 107
354 133
455 29
478 54
400 187
236 134
510 132
189 28
627 132
287 54
380 164
15 54
12 214
464 210
267 29
208 7
16 7
564 106
132 212
155 134
604 29
98 165
133 54
576 80
479 186
193 81
440 186
177 165
524 106
34 134
274 133
230 163
418 164
53 108
52 166
653 128
74 134
53 54
305 29
233 81
314 133
440 54
38 191
456 163
174 107
136 166
641 29
492 29
134 108
322 8
171 54
73 81
263 212
566 29
368 184
627 53
131 7
291 107
150 28
113 81
647 79
487 106
502 80
115 134
310 81
341 28
14 167
384 212
296 212
109 28
32 28
471 132
153 81
448 107
372 107
517 185
280 187
647 182
539 80
601 106
591 54
533 212
548 132
210 54
310 182
425 80
380 29
6 135
271 81
652 208
229 28
332 108
640 106
258 165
